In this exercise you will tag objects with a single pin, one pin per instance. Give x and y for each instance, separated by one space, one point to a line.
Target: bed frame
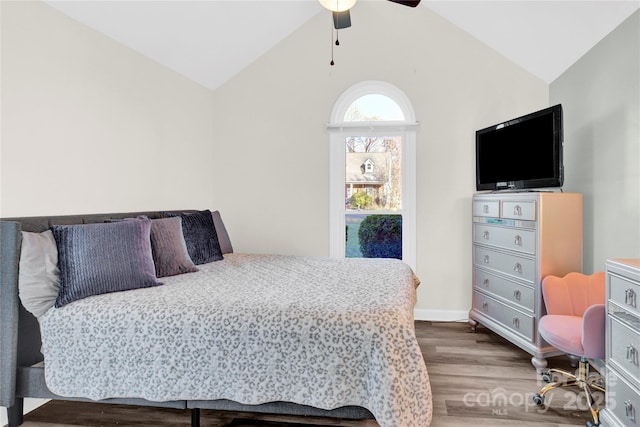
22 363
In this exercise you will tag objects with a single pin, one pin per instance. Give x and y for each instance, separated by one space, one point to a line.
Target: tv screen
521 153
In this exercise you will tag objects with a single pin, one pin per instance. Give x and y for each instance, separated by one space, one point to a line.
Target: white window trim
338 130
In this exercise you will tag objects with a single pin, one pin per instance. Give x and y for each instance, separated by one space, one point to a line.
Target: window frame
338 130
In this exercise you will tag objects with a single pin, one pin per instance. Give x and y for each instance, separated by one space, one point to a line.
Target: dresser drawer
515 293
625 347
623 400
511 265
519 210
507 316
507 238
490 208
624 293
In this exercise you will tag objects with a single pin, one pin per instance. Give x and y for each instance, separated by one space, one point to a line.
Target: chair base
587 383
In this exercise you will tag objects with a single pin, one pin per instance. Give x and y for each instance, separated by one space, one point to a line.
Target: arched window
372 204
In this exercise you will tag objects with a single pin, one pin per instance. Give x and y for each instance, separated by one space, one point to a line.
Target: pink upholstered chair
575 324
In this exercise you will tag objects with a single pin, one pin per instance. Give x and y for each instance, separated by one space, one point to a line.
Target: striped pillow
100 258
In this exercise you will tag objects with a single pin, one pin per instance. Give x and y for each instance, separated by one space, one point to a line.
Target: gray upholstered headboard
19 330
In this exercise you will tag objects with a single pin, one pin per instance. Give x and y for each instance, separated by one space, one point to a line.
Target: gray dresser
518 239
623 344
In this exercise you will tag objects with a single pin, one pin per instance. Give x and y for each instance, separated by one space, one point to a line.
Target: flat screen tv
522 153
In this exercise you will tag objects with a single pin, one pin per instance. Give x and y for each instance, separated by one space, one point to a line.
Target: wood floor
477 379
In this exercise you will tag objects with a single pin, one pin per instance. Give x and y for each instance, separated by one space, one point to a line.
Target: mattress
253 329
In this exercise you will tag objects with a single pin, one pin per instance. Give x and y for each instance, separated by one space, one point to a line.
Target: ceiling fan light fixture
337 5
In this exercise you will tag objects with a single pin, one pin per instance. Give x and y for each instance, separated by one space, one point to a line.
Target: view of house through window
373 196
373 183
372 173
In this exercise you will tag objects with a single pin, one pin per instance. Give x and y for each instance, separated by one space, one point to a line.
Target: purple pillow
200 235
223 235
105 257
170 254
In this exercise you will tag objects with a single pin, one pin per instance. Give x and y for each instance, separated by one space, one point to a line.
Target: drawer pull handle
486 283
518 241
486 259
632 354
485 209
485 306
485 235
517 268
630 297
517 294
516 322
629 410
517 210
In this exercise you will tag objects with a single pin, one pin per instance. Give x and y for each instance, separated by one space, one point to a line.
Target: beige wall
91 126
272 148
601 98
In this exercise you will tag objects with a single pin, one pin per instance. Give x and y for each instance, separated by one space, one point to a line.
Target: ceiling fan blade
341 20
407 3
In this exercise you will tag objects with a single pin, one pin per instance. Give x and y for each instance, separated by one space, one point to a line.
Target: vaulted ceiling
211 41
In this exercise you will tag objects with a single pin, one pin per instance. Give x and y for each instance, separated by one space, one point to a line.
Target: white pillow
39 277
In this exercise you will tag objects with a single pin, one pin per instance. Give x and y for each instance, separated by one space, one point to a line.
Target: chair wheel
546 377
538 399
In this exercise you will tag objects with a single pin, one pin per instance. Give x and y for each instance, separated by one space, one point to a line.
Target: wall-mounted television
521 153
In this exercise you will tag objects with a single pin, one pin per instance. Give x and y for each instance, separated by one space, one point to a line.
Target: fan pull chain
332 63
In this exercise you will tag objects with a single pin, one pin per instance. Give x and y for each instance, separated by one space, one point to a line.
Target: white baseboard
29 405
441 315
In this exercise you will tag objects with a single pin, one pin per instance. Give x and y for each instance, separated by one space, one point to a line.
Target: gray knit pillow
100 258
169 249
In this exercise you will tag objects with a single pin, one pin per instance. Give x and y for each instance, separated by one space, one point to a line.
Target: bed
249 332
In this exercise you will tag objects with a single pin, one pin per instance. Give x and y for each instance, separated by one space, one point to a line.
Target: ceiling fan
340 10
342 18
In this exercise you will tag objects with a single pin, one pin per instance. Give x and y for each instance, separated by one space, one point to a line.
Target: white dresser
518 239
623 344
